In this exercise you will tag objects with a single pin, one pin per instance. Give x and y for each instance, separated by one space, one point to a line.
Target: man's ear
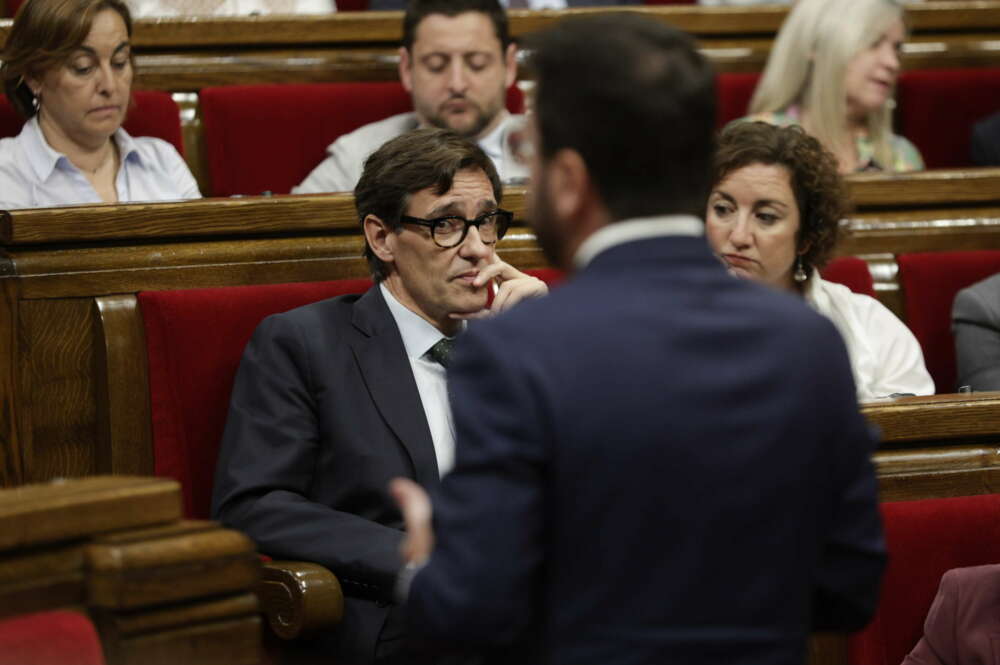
379 237
510 59
568 182
405 69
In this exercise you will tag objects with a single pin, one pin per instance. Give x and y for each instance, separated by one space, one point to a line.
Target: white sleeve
900 361
180 174
339 172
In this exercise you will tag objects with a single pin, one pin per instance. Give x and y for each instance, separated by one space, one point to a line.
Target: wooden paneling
159 590
79 380
38 514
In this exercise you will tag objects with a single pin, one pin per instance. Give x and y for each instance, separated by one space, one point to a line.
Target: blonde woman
833 71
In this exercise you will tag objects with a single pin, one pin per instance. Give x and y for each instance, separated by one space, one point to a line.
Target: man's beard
483 117
543 221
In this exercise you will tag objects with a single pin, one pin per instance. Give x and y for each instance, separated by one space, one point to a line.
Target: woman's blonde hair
808 64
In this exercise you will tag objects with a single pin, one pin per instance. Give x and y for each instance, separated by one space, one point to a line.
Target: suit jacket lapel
389 378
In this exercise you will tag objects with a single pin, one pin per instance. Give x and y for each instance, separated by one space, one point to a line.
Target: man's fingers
498 269
416 508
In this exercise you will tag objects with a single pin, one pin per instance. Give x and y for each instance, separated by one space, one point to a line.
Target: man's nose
458 77
473 246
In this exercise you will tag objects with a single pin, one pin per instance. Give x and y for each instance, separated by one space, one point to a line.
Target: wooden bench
159 590
68 279
184 55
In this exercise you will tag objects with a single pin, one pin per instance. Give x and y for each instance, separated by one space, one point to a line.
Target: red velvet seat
930 282
269 137
852 272
924 539
194 342
154 113
931 115
56 637
733 94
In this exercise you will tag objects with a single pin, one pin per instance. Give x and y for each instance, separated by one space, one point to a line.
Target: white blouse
885 356
34 175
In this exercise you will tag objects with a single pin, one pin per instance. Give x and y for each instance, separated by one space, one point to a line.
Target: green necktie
441 352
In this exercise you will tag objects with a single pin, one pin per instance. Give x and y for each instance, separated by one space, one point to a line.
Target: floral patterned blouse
905 156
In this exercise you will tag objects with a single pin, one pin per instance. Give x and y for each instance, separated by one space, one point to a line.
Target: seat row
246 140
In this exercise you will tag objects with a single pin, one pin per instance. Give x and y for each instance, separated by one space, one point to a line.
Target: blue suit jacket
655 464
324 413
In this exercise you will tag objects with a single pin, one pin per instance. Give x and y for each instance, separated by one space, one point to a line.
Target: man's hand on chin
512 286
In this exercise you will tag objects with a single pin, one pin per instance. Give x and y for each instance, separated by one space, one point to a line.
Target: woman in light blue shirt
67 68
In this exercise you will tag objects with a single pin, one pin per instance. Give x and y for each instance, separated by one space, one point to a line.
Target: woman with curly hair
833 71
773 217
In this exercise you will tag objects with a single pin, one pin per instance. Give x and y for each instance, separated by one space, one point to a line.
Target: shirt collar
492 143
44 159
619 233
417 333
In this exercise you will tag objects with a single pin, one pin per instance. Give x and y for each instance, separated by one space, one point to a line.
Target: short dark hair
405 165
637 101
44 36
818 188
418 10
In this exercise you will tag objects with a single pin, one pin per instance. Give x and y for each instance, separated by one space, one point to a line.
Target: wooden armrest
299 598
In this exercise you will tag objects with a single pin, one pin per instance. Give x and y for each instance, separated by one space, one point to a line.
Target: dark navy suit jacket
324 413
655 464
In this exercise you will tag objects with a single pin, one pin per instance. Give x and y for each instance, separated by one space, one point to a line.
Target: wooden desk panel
68 279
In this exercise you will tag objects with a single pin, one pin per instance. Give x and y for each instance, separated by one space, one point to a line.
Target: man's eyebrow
446 210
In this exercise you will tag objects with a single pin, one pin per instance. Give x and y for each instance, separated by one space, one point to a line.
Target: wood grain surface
50 512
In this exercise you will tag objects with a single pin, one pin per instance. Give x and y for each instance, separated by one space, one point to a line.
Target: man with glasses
335 398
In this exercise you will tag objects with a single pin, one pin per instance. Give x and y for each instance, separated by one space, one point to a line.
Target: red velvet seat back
154 114
194 342
49 638
930 282
852 272
270 137
924 539
733 94
938 107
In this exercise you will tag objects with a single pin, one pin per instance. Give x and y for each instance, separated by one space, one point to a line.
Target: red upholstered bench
194 342
924 539
930 282
57 637
269 137
852 272
153 114
931 116
733 94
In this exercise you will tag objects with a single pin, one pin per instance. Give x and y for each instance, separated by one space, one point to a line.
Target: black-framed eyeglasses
450 231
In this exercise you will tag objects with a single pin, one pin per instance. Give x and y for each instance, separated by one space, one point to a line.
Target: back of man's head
418 10
637 101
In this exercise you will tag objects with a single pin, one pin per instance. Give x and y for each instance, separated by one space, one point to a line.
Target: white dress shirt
418 337
34 175
885 356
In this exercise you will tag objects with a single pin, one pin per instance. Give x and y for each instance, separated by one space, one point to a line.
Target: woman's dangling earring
800 274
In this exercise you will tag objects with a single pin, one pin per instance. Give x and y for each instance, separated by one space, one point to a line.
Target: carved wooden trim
125 439
299 598
914 419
